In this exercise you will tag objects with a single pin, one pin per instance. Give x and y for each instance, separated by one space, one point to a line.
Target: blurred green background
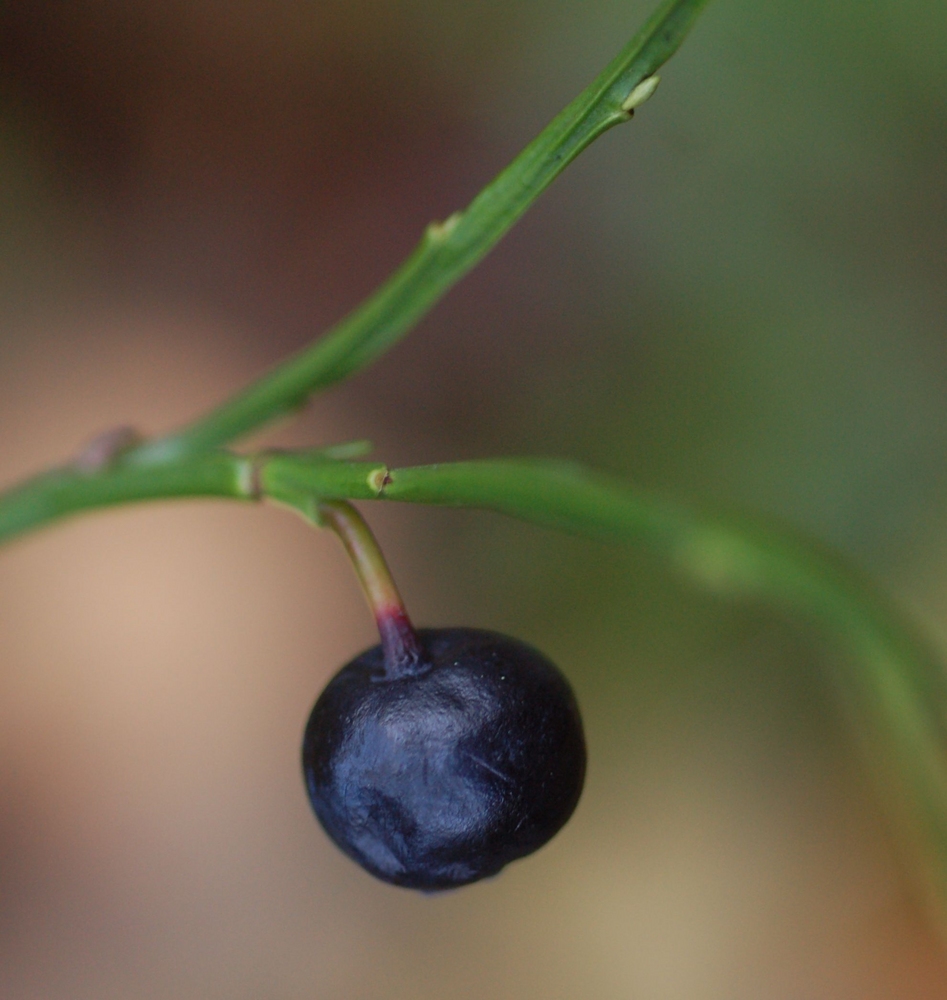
739 297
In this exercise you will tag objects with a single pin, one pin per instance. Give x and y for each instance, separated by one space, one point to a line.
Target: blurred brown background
741 296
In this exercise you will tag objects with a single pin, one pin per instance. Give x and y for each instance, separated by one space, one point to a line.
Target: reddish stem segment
399 641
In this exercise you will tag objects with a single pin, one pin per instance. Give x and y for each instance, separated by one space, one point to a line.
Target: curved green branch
888 675
889 678
893 685
70 490
447 251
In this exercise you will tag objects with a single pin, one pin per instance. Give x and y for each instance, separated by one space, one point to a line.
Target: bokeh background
740 297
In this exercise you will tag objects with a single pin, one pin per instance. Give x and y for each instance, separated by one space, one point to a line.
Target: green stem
892 682
894 686
447 251
897 686
69 490
399 641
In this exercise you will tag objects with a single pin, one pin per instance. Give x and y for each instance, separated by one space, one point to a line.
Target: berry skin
441 775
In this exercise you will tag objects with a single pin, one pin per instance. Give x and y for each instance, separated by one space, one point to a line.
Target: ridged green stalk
447 251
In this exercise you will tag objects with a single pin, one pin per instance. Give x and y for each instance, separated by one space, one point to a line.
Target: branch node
438 232
378 479
640 94
105 449
249 475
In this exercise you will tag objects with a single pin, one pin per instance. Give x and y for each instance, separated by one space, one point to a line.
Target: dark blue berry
443 775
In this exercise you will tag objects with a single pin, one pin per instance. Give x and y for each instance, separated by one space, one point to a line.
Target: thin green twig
891 680
892 684
896 684
447 251
67 491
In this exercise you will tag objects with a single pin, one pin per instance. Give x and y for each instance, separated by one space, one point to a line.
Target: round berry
443 774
